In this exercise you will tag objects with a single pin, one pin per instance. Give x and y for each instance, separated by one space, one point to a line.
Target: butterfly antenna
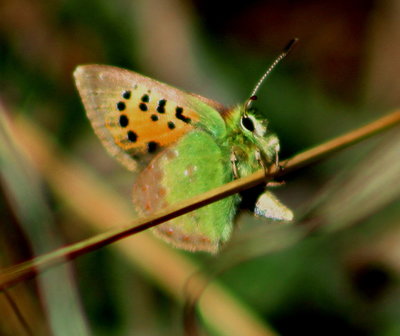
282 55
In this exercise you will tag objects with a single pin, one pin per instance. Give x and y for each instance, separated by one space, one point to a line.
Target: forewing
194 165
135 116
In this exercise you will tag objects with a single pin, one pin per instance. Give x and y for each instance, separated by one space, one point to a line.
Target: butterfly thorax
250 140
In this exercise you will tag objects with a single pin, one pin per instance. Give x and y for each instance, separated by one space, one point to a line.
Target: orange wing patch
144 120
134 115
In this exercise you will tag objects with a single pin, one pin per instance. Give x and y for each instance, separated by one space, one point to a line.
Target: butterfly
183 145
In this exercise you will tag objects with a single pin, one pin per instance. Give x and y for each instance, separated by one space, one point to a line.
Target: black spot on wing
143 107
180 116
132 136
121 106
161 106
152 146
126 94
123 120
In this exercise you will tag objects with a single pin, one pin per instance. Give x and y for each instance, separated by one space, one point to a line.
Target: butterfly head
255 128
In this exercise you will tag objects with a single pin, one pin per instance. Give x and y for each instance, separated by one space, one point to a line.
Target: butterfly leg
279 168
276 150
234 160
262 162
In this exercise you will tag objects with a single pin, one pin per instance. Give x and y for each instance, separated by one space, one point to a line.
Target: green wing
194 165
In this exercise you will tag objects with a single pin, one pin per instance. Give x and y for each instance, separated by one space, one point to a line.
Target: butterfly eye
248 124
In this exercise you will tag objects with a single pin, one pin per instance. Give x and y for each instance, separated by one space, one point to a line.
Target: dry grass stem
18 272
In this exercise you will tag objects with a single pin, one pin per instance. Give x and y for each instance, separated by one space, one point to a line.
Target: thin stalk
14 274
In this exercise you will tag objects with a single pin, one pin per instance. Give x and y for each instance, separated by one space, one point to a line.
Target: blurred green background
343 73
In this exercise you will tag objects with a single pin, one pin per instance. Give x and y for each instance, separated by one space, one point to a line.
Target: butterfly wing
135 116
194 165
